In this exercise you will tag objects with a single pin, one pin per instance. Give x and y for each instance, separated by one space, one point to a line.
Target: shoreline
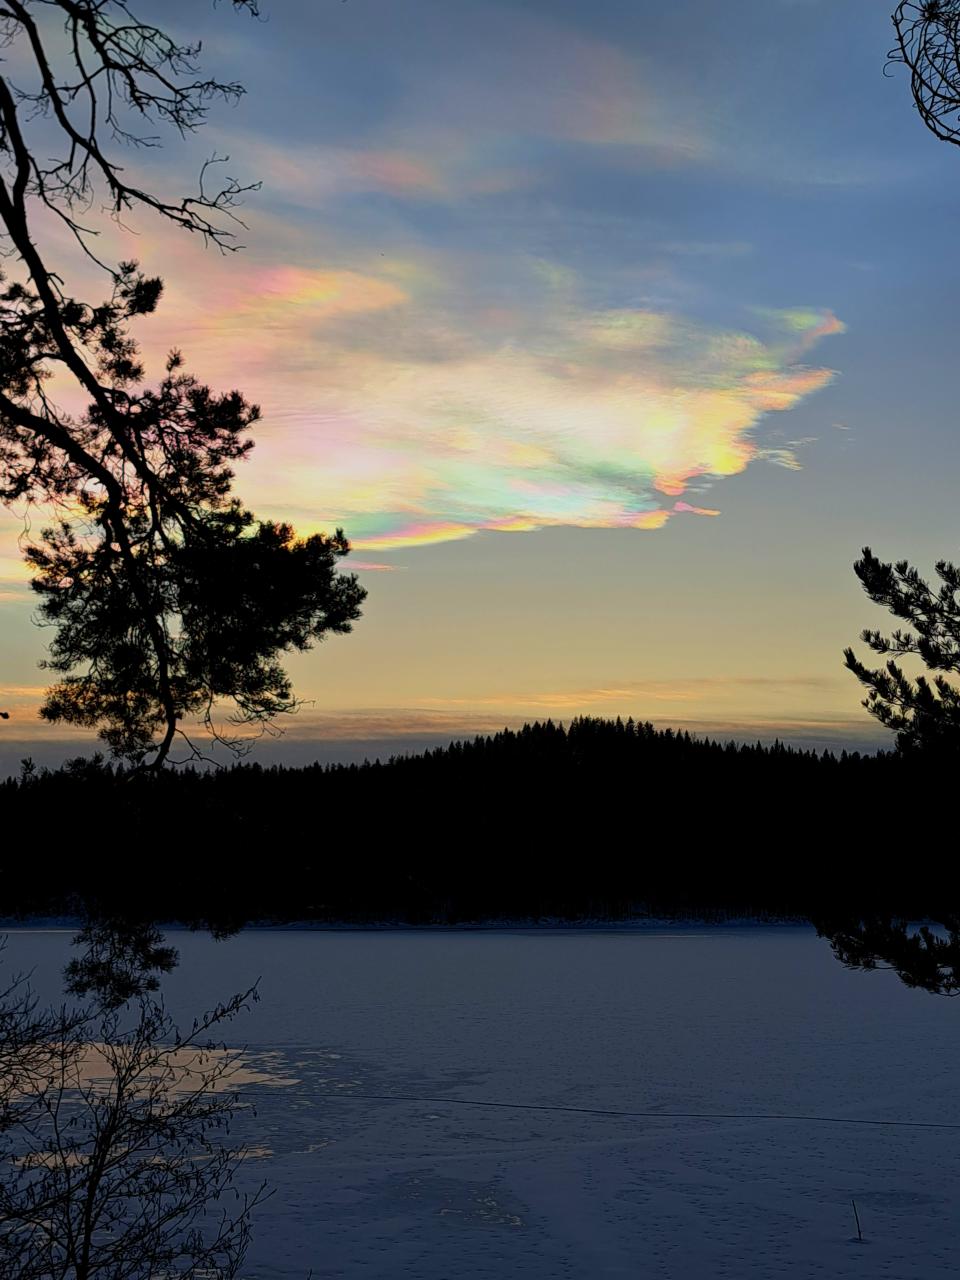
547 924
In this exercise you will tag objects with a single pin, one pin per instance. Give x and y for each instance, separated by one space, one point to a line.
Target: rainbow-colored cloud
424 398
420 384
411 414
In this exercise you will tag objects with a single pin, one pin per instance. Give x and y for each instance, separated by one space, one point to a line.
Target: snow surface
715 1030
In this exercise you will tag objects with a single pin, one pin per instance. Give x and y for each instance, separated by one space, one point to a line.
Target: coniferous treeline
597 819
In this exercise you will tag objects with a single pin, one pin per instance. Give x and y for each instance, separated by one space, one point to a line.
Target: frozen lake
751 1049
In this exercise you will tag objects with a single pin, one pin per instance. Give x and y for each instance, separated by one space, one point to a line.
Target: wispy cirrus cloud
494 102
310 176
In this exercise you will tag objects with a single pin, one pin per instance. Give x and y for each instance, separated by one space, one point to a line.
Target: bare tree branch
928 44
114 1144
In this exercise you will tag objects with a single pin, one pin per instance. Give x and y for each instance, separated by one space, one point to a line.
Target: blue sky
527 282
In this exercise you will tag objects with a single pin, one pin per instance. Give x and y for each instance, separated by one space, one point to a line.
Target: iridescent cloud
423 398
422 387
401 405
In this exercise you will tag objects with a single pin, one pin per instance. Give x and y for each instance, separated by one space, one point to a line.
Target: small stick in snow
857 1216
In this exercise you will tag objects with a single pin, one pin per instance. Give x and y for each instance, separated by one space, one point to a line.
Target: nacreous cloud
403 413
444 330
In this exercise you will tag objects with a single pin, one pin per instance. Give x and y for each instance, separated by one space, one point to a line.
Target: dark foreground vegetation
598 819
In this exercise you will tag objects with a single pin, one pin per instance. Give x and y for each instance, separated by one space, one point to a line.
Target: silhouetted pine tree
924 713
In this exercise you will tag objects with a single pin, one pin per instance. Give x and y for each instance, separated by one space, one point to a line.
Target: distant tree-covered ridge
598 819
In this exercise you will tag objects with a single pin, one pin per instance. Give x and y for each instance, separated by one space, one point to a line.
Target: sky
609 332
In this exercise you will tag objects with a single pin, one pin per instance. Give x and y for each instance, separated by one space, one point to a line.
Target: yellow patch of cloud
630 330
322 293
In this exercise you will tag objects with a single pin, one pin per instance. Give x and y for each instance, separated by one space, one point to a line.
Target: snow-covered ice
382 1041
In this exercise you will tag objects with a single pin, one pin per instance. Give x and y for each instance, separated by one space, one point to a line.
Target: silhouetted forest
597 819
